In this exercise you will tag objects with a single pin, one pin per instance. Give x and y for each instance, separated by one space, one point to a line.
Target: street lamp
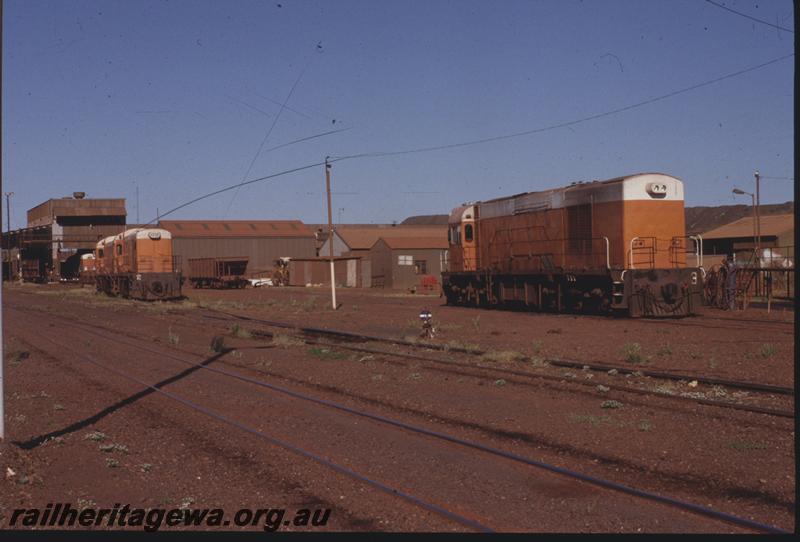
740 192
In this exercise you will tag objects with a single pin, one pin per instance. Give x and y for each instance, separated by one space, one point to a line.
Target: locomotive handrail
700 238
608 259
630 254
698 246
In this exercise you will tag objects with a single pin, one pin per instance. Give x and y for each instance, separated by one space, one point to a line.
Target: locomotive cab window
119 249
100 253
468 233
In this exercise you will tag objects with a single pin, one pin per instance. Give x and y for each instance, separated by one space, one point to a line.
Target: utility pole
137 203
2 334
8 234
741 192
330 231
758 212
8 210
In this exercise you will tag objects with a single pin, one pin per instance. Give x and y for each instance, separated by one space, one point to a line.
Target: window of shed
405 260
421 267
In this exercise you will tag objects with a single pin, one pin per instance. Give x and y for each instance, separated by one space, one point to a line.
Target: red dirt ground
737 462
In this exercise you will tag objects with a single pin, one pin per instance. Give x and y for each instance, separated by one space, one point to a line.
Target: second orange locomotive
617 245
138 263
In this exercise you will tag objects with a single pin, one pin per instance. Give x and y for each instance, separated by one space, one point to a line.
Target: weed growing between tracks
326 353
744 445
632 353
767 350
503 356
594 421
285 341
242 333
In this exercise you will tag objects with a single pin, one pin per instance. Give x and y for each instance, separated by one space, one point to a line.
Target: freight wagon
602 246
138 263
228 272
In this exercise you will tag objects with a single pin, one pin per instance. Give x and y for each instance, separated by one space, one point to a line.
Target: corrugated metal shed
261 241
348 272
774 225
236 228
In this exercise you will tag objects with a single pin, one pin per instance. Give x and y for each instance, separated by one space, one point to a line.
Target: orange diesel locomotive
617 245
138 263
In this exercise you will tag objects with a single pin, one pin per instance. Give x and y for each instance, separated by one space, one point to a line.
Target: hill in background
426 220
703 219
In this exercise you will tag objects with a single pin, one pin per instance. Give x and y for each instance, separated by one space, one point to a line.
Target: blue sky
176 97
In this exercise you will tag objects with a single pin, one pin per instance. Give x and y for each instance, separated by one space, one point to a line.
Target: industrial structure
261 242
59 231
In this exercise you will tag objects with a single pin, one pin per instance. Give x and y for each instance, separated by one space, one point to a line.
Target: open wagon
226 272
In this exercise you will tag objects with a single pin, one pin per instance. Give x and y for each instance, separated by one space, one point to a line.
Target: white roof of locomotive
106 241
147 233
640 186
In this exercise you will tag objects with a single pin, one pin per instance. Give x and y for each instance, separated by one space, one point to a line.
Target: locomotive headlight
425 315
657 190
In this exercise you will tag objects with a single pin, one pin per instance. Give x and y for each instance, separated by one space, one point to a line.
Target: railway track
494 452
342 338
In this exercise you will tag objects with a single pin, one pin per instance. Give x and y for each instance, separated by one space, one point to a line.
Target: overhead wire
233 187
488 139
569 123
266 136
746 16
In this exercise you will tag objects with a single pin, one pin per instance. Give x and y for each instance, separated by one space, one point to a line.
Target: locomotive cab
462 236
